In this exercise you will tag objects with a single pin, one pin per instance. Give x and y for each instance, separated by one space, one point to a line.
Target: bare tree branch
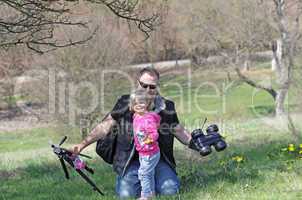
127 9
32 22
252 83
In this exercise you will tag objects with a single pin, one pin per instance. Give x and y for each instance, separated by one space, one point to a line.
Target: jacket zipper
168 161
129 159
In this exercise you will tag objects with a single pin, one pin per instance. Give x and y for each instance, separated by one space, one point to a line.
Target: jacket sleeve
121 106
152 128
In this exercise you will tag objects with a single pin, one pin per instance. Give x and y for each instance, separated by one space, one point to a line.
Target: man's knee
127 188
127 192
167 182
168 187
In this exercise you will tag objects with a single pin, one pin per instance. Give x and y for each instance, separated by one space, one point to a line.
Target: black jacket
125 150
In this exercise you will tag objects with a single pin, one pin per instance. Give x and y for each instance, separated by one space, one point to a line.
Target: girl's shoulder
148 115
154 115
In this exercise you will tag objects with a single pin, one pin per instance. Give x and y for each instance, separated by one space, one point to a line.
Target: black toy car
203 142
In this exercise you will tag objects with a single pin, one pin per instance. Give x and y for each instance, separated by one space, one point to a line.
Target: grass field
257 164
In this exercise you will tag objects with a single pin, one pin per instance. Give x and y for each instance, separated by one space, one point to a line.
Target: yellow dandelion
291 147
300 146
238 158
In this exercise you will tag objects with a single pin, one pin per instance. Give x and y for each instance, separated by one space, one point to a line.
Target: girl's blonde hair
140 95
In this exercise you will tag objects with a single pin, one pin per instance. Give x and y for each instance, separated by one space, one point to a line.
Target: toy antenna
204 122
63 140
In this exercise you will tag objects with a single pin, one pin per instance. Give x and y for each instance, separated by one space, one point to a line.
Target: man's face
149 82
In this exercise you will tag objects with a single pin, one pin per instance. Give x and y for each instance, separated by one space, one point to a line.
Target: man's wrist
189 141
182 134
192 145
83 144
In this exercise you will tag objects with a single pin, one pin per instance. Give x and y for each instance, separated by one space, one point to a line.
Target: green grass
36 138
25 140
266 172
29 170
210 94
13 99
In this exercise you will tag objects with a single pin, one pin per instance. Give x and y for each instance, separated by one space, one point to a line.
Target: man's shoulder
168 104
121 104
124 96
168 101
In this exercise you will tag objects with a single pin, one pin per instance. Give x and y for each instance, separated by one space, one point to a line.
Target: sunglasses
144 85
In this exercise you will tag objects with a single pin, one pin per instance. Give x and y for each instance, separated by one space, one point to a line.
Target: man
125 161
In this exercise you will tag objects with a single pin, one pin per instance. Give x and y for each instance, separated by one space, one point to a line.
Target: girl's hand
148 140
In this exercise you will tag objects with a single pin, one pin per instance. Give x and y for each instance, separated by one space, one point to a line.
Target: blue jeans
166 181
146 174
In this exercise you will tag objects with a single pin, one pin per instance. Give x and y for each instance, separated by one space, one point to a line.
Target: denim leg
129 185
146 173
166 180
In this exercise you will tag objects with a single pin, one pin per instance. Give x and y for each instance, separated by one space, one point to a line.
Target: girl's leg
146 174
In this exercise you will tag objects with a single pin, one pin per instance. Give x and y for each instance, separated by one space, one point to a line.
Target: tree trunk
246 65
277 47
282 60
280 100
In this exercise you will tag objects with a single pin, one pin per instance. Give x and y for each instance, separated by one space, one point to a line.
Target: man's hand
76 149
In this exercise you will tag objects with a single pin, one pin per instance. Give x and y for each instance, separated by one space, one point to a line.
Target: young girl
145 125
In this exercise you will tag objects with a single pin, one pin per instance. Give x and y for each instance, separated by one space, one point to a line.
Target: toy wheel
220 145
206 150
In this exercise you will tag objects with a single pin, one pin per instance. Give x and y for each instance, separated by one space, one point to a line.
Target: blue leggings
166 181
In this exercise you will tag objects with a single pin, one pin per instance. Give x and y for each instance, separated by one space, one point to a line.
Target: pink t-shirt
146 125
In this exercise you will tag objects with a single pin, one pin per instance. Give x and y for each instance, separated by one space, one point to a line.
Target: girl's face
140 106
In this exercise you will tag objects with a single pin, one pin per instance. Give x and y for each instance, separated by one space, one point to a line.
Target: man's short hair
150 70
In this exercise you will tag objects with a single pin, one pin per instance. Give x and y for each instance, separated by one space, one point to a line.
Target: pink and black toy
75 162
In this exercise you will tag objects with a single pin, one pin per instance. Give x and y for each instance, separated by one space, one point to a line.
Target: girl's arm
152 136
151 129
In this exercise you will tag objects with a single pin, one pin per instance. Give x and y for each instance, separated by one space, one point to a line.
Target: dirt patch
7 174
26 117
21 123
281 123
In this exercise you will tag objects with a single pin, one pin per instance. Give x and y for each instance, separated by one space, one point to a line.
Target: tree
287 18
217 28
33 23
12 63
